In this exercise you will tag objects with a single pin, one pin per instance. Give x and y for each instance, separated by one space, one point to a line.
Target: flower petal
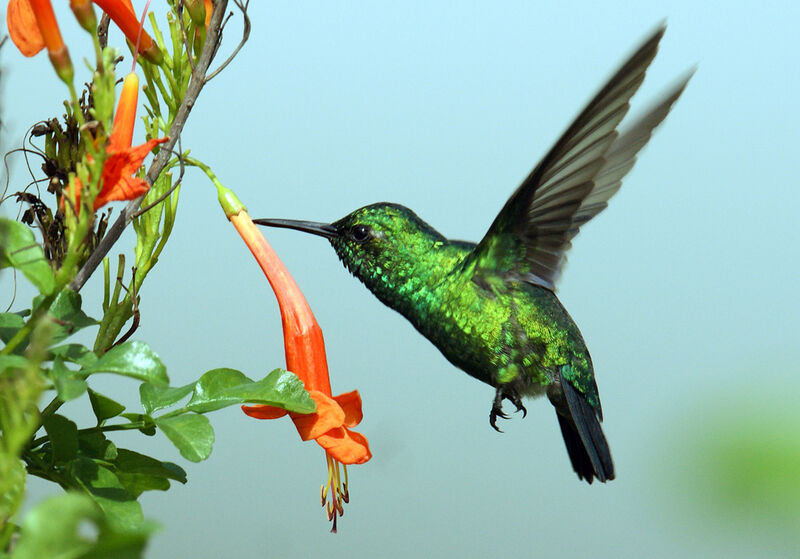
328 416
22 27
346 446
125 116
351 404
118 168
264 412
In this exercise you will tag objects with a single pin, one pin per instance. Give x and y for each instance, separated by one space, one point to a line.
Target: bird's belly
484 337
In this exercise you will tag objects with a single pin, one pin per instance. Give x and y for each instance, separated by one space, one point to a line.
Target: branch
160 161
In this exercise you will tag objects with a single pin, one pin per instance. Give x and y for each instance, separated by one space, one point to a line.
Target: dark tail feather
583 436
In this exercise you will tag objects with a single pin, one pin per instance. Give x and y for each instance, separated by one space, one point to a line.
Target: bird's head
381 244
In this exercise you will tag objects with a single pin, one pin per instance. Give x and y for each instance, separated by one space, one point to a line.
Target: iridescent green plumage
491 308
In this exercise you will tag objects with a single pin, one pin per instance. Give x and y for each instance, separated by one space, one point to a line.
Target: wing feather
574 181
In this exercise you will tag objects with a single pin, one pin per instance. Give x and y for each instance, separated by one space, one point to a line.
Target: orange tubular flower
118 181
123 15
32 26
305 356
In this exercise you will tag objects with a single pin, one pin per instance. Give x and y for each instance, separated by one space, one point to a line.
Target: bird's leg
497 409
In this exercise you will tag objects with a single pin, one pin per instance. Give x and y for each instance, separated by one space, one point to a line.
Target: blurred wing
621 156
574 180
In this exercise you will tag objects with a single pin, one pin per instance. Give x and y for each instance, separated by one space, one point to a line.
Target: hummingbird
491 307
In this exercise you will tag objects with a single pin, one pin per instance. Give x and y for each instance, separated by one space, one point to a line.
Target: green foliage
102 482
83 459
21 251
225 387
191 434
131 359
61 527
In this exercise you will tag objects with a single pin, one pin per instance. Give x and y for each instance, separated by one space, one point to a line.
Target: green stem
52 407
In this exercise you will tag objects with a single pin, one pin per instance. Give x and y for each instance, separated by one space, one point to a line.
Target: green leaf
63 435
10 323
56 528
95 445
75 353
121 509
136 484
190 433
104 407
132 359
20 250
133 462
67 315
219 388
139 473
67 385
155 398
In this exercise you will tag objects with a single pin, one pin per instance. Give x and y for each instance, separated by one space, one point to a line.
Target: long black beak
322 229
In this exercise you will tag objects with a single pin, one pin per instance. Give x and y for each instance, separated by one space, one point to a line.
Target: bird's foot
504 392
513 397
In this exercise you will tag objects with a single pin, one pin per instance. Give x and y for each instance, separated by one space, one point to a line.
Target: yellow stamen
334 501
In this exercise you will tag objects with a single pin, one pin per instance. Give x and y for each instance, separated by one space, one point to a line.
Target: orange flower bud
84 13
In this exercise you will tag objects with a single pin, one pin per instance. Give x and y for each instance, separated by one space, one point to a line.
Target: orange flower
121 13
305 356
118 181
32 26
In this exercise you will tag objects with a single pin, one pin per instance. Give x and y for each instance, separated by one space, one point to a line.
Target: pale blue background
685 288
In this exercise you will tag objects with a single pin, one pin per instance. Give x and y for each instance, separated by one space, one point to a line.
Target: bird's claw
504 393
514 398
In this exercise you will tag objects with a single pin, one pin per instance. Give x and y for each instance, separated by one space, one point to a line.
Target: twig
102 30
245 36
160 161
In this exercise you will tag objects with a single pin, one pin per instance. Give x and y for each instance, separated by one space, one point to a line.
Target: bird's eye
361 233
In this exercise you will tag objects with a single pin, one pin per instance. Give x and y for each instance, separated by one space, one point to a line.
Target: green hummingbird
491 308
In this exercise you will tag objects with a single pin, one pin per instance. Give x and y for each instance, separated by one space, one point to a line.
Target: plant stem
196 84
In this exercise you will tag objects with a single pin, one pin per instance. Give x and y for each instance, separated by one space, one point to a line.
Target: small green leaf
132 359
21 251
122 510
155 398
219 388
75 353
63 435
66 314
67 385
190 433
56 528
104 407
10 323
